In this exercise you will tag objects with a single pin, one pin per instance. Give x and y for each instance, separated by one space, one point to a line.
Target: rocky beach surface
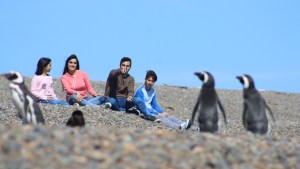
114 139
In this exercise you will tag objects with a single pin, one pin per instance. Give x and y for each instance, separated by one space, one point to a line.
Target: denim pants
119 104
170 121
54 101
88 101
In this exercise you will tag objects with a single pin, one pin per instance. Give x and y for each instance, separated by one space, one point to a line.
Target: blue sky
175 38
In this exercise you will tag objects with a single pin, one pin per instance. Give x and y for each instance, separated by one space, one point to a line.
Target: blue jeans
88 101
54 101
170 121
119 104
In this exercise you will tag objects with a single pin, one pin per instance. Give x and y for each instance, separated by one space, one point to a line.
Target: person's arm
88 85
35 89
110 80
139 94
65 81
155 104
131 87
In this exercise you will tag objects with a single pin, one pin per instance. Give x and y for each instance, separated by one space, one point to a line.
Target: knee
111 100
73 97
137 100
64 103
102 99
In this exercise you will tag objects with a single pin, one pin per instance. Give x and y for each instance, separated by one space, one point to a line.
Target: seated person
42 84
145 101
77 85
119 88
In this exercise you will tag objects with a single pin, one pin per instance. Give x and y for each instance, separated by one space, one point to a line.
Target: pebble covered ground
114 139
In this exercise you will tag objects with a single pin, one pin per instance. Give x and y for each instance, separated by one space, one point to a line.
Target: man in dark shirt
119 89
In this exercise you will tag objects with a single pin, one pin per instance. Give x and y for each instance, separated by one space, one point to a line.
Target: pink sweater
42 87
78 83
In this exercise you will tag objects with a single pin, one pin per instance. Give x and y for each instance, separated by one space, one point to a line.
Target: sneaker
135 111
76 104
106 105
153 118
186 125
157 120
182 126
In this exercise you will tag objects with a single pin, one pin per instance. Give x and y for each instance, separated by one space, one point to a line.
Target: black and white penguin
76 119
208 105
255 111
24 101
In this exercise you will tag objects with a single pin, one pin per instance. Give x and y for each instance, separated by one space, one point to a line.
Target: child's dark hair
73 56
151 73
124 59
42 63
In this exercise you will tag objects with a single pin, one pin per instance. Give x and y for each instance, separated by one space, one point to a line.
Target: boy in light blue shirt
145 101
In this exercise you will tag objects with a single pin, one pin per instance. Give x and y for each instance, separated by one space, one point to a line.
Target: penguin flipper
34 114
25 119
36 108
269 111
197 107
221 108
245 109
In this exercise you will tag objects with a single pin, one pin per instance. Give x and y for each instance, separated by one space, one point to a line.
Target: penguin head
206 77
14 77
77 119
247 81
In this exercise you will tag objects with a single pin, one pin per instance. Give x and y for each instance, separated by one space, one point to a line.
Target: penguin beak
5 75
197 74
200 75
240 78
9 76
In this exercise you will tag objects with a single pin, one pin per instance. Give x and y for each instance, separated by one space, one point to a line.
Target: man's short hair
124 59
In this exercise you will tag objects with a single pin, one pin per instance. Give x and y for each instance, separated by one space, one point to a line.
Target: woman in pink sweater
42 84
77 85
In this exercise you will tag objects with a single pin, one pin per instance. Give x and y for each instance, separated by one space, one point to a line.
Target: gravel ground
113 139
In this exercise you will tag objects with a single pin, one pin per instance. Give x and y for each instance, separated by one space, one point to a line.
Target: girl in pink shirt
77 85
42 84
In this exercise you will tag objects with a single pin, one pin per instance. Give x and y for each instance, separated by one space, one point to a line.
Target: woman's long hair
67 61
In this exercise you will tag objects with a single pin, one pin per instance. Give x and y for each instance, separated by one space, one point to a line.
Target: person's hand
96 95
123 71
164 114
78 98
129 98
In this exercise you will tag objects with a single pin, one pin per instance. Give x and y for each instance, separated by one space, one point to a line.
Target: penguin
25 102
208 105
76 119
256 112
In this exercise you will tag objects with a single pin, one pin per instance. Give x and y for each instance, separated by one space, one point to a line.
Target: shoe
135 111
153 118
189 124
186 125
182 126
106 105
157 120
76 104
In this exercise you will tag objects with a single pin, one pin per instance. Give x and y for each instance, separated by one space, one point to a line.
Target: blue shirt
149 98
